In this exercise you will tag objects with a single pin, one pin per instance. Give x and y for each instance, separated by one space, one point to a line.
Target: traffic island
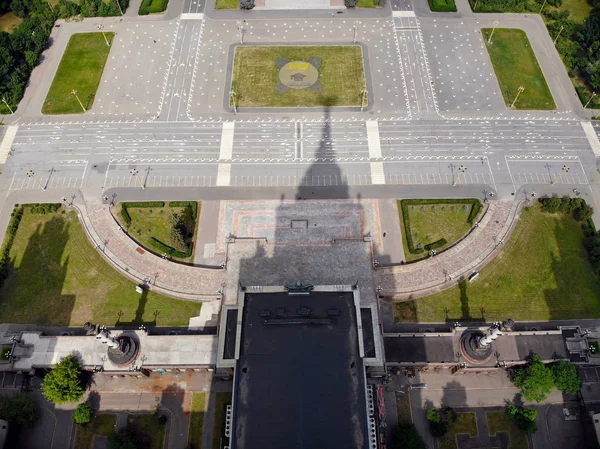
298 76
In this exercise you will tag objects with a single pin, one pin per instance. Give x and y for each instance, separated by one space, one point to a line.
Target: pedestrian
384 234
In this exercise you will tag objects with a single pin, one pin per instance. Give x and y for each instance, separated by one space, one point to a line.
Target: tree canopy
83 413
566 377
534 379
64 382
524 418
18 410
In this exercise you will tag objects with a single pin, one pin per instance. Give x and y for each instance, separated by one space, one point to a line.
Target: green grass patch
368 4
434 224
579 9
150 427
585 94
8 22
153 224
197 420
403 409
596 347
256 74
219 438
499 422
4 353
542 273
80 69
101 425
515 65
466 422
56 278
152 7
442 5
227 4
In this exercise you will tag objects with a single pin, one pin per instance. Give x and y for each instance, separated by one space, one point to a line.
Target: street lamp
356 25
31 174
240 27
10 109
496 23
74 92
134 173
234 97
363 98
461 169
559 31
519 92
564 169
101 28
119 5
586 105
543 4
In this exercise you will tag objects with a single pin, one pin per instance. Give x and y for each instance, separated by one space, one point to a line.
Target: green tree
83 413
534 379
64 383
18 410
440 420
408 438
524 418
566 377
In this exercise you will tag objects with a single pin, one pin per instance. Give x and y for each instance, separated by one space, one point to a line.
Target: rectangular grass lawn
442 5
515 65
542 273
341 74
81 69
57 278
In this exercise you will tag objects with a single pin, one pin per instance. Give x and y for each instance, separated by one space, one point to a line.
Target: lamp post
119 5
101 28
240 27
134 173
543 4
586 105
31 174
519 92
363 98
461 169
356 25
74 92
7 105
234 100
496 23
559 31
564 169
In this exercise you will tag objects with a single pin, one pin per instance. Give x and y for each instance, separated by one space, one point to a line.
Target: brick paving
443 270
173 279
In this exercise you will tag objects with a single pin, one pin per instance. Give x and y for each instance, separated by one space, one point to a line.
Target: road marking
192 16
373 139
403 14
226 151
592 137
224 175
7 141
377 173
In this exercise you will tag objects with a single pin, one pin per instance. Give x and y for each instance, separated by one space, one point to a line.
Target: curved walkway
443 271
173 279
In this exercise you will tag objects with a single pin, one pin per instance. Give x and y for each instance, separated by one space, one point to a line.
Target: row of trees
20 50
536 379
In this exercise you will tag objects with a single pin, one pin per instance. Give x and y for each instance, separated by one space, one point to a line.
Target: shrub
534 379
350 3
246 4
144 204
161 247
440 420
18 410
152 7
83 413
523 417
125 216
192 204
11 231
408 438
566 377
437 244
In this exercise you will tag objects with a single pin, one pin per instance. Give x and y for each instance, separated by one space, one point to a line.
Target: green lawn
101 425
442 5
499 422
152 7
579 9
255 76
80 69
150 427
515 65
227 4
368 4
156 222
197 420
432 222
222 400
9 22
542 273
403 409
465 423
58 279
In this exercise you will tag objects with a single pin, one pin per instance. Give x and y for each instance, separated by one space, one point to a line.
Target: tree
18 410
83 413
566 377
583 213
63 383
440 420
534 379
408 438
524 418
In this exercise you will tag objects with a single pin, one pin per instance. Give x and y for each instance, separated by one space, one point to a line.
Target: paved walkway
173 279
440 272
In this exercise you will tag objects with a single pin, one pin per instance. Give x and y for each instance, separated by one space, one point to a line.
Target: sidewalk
170 278
440 272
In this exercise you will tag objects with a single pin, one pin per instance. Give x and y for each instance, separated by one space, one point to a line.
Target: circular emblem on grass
298 75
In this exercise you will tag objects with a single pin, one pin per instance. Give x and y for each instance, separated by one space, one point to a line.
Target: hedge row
125 216
152 7
437 244
13 226
161 247
404 204
43 208
144 204
192 204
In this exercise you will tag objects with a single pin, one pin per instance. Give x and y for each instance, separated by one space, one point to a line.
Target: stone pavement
173 279
441 271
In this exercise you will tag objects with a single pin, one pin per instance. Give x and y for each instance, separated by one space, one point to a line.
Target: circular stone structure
127 351
470 349
298 75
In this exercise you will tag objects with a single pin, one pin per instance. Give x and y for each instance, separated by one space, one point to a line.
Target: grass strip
80 69
442 5
197 420
221 402
152 7
499 422
102 425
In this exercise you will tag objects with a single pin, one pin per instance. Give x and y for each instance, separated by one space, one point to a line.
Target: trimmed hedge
160 246
404 204
144 204
125 216
13 226
152 7
42 208
192 204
